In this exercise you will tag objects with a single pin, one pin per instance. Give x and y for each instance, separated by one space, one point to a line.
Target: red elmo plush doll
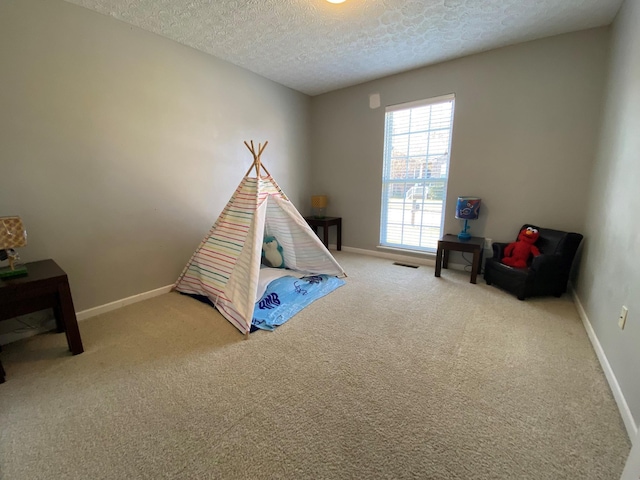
517 253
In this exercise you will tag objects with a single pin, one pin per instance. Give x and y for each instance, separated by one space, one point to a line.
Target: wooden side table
45 286
325 223
452 242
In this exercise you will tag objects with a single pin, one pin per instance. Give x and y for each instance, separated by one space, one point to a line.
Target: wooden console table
45 286
325 223
452 242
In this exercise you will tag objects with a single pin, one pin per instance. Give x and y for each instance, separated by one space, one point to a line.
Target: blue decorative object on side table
467 208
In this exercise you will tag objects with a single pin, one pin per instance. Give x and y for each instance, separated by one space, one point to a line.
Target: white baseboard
92 312
623 407
47 322
389 254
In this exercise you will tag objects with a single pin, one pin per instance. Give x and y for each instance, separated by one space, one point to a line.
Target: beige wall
119 148
524 135
610 273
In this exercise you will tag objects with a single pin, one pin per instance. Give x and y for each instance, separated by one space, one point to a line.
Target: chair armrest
498 249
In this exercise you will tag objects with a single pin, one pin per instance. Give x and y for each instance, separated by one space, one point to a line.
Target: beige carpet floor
395 375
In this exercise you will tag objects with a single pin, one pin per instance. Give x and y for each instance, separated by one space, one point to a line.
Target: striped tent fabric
225 267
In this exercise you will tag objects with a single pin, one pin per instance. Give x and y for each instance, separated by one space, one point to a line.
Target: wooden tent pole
265 169
262 148
256 158
256 161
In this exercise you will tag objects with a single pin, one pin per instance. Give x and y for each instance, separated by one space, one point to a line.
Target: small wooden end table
45 286
325 223
452 242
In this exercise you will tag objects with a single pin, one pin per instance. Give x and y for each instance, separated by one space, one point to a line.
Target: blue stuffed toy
272 255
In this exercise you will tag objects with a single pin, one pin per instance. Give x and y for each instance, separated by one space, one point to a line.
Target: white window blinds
416 163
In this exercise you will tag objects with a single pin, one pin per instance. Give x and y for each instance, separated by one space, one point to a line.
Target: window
417 142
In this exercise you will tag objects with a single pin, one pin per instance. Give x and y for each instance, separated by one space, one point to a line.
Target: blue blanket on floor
286 296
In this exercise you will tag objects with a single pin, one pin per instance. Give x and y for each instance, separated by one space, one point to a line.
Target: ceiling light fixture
336 1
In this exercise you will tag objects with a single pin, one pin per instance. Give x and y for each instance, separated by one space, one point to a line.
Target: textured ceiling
315 47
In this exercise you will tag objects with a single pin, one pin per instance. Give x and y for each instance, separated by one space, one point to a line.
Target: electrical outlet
623 317
487 243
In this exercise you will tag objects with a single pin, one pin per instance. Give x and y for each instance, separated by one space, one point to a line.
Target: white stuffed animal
272 253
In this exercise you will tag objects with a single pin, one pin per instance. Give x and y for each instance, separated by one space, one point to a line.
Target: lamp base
17 271
318 212
463 235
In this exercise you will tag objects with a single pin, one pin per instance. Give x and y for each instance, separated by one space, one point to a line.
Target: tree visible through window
417 142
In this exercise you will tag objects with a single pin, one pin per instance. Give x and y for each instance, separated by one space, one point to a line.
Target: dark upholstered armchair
546 274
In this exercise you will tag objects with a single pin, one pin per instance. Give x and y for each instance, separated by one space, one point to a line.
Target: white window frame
387 181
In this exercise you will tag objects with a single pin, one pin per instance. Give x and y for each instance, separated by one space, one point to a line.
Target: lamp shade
319 201
468 208
12 233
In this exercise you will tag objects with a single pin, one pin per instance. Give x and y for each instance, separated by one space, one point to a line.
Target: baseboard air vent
406 265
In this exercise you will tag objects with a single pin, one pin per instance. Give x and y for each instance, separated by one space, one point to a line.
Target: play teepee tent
226 266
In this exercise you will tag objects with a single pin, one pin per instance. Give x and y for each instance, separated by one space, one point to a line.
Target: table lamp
12 235
467 208
319 205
